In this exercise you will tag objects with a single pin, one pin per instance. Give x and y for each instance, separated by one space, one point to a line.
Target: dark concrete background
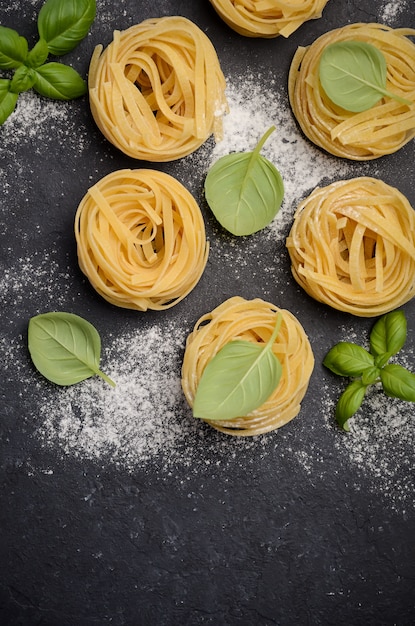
259 543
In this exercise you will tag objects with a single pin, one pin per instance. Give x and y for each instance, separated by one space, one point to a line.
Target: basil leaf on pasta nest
65 348
239 379
244 190
64 23
59 82
353 75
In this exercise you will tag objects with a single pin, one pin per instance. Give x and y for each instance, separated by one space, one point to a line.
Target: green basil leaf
8 100
398 382
353 75
371 375
244 190
349 402
64 23
65 348
13 48
38 54
388 335
59 81
239 379
22 80
348 359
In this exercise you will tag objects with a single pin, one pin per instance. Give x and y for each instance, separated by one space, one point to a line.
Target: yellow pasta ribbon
157 91
267 18
141 239
365 265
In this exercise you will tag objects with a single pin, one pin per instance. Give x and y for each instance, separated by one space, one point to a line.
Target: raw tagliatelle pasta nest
267 18
352 246
157 91
382 129
252 320
141 239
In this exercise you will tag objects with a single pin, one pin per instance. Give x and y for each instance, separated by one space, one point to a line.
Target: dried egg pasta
252 320
141 239
352 246
267 18
157 91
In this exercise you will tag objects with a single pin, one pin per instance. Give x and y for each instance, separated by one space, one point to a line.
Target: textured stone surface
252 538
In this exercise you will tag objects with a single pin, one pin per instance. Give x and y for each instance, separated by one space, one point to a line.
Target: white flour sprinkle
253 110
380 444
145 419
391 10
40 122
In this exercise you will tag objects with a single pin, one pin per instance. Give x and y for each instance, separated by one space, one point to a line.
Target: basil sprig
62 24
244 190
353 74
65 348
387 338
239 378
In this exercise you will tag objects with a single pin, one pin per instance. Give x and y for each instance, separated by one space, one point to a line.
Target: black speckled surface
245 535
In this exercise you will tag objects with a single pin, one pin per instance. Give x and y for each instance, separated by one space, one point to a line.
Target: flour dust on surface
145 419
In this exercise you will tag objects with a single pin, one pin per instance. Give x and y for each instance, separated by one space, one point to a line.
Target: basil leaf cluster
387 338
62 24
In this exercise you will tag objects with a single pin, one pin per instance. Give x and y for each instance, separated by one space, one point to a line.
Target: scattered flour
253 110
145 419
40 122
391 10
380 443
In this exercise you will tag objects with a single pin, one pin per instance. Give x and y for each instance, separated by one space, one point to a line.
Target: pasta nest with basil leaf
141 239
383 128
352 246
157 91
252 321
267 18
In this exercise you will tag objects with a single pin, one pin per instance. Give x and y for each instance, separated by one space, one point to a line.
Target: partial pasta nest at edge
267 18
